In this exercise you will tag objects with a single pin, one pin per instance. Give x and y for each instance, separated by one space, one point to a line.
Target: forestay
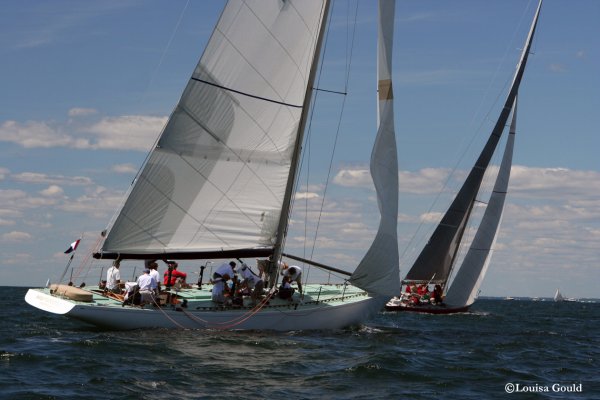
215 183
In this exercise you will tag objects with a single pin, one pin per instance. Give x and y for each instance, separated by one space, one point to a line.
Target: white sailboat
558 296
436 261
220 181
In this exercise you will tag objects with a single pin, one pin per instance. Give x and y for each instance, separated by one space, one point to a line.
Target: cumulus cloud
52 191
16 236
33 134
306 195
124 169
423 181
357 177
81 112
38 178
132 132
553 183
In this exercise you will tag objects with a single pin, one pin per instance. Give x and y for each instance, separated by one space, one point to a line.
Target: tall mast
287 199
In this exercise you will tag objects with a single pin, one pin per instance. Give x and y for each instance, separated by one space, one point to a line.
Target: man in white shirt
153 266
145 284
252 281
222 274
294 273
113 278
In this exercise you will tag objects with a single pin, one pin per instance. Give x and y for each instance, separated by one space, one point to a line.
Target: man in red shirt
171 274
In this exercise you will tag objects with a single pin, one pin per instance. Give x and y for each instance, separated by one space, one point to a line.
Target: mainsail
214 185
435 262
378 270
466 284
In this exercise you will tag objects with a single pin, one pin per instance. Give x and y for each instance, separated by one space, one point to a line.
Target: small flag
73 247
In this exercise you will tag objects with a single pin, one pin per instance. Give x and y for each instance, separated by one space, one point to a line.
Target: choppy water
470 356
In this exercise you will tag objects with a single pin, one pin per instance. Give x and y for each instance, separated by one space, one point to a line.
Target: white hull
315 315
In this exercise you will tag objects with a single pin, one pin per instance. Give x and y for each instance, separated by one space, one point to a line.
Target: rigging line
348 68
86 259
245 94
330 91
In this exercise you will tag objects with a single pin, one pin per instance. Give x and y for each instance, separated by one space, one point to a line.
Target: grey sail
216 184
468 279
435 261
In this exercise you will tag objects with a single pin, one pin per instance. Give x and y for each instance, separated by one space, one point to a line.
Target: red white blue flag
73 247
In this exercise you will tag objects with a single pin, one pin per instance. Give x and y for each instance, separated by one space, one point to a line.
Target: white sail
558 296
378 271
468 280
215 183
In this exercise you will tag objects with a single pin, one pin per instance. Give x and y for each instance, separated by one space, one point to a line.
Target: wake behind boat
436 261
220 181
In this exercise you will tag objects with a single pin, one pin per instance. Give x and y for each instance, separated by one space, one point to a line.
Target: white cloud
52 191
33 134
424 181
431 217
16 236
554 183
81 112
131 132
306 195
124 169
6 222
38 178
3 173
357 177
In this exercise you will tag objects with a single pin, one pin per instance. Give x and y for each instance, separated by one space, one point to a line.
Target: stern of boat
43 300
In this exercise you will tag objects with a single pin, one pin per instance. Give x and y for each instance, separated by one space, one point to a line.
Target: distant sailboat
220 181
436 261
558 296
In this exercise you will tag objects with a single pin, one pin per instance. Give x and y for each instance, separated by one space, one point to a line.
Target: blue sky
87 86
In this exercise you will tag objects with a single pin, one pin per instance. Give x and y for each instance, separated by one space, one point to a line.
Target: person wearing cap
251 281
171 274
222 274
113 278
145 286
294 274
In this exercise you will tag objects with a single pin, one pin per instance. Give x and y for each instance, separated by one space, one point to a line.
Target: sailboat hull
425 308
311 315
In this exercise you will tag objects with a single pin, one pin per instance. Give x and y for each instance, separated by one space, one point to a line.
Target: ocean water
543 349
